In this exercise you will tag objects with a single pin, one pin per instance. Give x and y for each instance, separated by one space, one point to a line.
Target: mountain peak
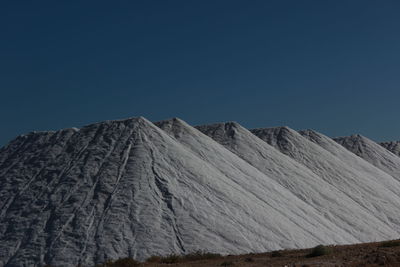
393 147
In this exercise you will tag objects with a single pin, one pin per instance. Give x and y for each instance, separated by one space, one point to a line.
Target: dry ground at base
367 254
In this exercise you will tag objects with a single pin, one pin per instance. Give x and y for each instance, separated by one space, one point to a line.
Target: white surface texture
133 188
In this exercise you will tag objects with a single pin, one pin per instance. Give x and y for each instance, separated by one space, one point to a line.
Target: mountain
308 185
252 180
373 153
393 147
374 190
133 188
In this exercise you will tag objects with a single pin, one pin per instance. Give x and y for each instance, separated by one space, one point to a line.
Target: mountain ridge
133 188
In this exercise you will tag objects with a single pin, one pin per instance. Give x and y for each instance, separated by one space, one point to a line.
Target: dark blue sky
332 66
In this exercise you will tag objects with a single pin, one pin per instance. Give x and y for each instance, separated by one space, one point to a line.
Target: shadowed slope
393 147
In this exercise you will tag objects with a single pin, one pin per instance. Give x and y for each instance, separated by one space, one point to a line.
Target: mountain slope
393 147
373 153
371 188
131 188
127 188
300 180
252 179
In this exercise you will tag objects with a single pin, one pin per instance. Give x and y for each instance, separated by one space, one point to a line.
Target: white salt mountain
393 147
359 223
259 186
128 188
373 153
374 190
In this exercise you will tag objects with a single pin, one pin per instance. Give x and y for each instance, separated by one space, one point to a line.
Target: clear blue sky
333 66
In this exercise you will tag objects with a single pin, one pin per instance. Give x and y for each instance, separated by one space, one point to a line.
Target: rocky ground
368 254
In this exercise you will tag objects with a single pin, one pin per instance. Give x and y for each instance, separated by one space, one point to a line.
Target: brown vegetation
366 255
